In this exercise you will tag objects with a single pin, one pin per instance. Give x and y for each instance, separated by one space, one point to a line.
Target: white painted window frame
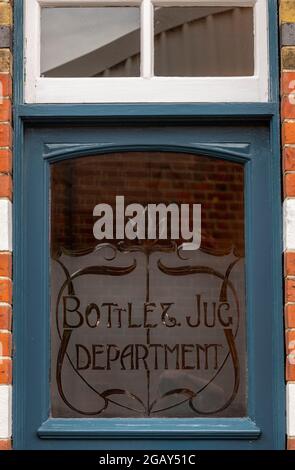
145 88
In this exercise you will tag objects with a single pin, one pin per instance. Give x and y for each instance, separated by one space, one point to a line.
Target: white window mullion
147 39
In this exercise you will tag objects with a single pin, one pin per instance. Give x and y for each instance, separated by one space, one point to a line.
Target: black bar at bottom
139 459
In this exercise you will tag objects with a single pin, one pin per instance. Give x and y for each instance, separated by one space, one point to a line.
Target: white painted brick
5 225
289 224
5 411
291 409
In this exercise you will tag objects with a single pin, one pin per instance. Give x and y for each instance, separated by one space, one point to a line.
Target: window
142 327
129 340
131 337
146 51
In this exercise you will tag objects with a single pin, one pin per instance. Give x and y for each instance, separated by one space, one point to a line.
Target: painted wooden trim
256 391
147 35
138 429
31 47
86 3
261 52
91 3
164 112
277 274
152 90
233 152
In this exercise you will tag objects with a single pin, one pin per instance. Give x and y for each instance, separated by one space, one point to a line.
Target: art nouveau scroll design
225 311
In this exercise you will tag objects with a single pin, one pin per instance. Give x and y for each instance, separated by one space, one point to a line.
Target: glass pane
90 42
204 41
142 327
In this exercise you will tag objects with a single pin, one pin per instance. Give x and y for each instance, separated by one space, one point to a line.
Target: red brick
290 351
289 185
289 158
290 337
6 290
6 186
290 290
288 132
5 264
288 83
290 316
5 135
5 343
5 444
5 317
5 371
6 82
288 107
290 371
5 161
5 110
291 444
290 263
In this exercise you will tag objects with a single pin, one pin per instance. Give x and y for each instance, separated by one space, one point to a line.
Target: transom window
146 51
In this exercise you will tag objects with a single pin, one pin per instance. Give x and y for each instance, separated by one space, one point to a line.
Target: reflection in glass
204 41
90 42
142 328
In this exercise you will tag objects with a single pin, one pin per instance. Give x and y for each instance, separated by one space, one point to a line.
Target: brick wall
287 19
5 224
148 178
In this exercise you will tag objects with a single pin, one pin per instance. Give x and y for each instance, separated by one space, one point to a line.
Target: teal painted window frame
28 116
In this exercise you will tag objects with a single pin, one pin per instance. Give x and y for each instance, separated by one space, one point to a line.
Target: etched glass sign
142 327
